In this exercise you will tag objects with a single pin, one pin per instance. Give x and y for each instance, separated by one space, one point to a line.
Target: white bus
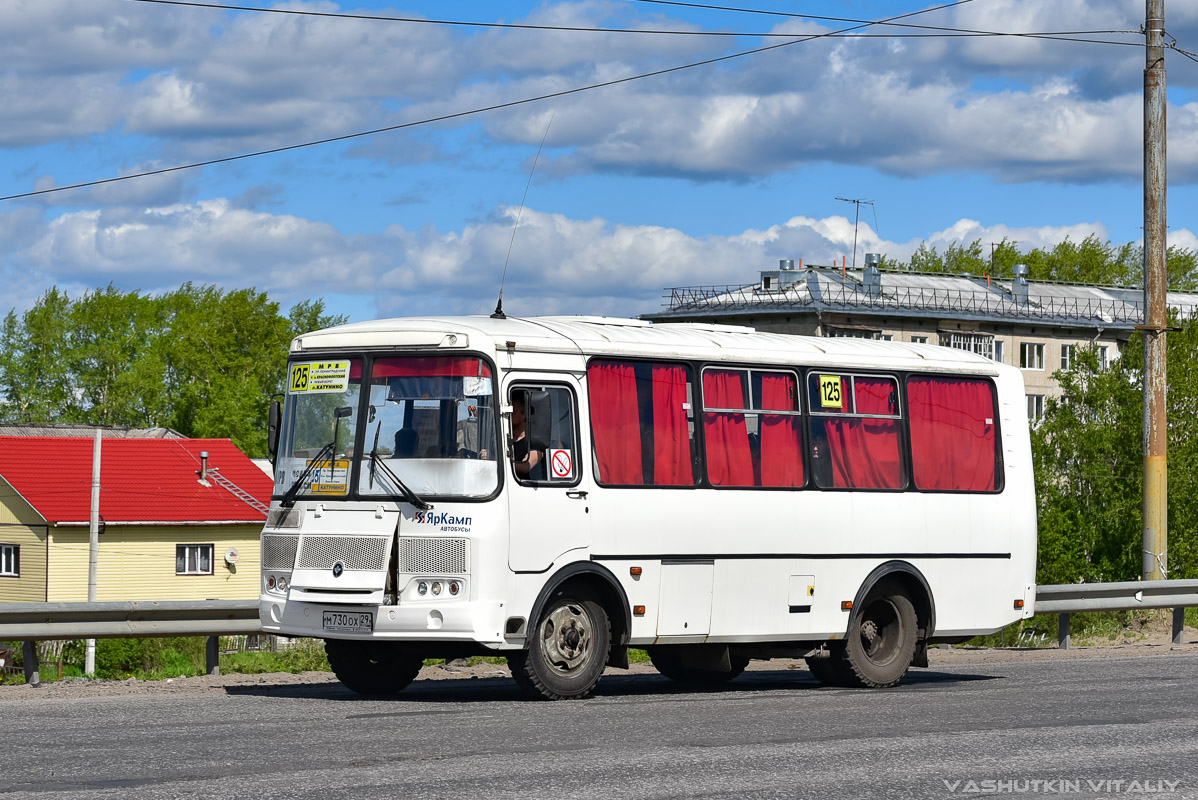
556 490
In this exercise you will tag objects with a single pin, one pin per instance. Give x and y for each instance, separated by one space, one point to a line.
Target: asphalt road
1090 728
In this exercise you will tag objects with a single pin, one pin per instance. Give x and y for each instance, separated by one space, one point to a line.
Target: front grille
354 552
278 552
433 556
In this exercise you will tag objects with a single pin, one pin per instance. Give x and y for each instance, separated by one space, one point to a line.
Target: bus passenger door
547 494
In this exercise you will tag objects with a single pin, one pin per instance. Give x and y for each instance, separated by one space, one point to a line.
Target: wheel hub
566 638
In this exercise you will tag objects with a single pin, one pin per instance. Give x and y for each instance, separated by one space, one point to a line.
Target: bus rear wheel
372 668
669 662
568 651
879 646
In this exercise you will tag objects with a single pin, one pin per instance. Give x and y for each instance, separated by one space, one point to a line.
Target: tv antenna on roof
857 201
499 306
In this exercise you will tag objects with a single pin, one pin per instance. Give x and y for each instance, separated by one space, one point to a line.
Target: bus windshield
429 429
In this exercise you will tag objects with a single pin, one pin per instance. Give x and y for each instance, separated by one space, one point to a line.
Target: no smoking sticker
561 465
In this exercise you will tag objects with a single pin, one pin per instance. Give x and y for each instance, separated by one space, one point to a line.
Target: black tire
829 671
668 661
879 645
568 651
372 668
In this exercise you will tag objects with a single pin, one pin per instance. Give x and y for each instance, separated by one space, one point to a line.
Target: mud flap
920 659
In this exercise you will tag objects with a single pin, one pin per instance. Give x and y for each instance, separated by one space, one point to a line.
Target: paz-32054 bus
556 490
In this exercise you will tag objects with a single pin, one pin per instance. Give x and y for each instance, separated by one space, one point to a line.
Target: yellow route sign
319 376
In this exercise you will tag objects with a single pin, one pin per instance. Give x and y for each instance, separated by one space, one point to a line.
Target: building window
999 352
979 343
919 340
1102 356
1068 356
886 337
1035 407
193 559
10 560
853 333
1031 355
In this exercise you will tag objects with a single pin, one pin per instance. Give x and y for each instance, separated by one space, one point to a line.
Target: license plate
348 621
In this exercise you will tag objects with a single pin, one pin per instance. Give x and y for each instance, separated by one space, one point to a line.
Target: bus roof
614 336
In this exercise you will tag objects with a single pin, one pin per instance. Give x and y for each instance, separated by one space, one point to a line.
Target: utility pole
1155 322
857 202
93 550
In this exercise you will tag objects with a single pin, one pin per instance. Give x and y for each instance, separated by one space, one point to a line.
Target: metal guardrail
128 619
29 622
1123 596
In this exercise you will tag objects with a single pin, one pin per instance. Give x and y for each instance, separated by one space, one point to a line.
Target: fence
976 302
29 622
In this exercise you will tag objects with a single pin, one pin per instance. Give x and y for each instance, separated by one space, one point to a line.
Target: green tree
199 359
1088 454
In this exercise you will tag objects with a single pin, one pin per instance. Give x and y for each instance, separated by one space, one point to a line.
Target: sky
699 176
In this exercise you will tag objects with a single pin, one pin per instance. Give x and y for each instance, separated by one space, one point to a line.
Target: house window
979 343
1035 407
853 333
193 559
1068 356
10 560
999 352
1102 356
1031 355
919 340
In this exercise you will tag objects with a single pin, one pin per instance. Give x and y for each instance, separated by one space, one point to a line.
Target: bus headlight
436 588
454 588
422 588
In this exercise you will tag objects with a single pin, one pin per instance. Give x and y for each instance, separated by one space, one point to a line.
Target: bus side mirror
272 428
540 424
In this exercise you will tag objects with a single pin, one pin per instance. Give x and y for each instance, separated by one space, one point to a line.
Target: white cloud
558 264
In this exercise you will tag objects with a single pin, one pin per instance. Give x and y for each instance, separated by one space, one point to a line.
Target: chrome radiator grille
354 552
278 552
433 556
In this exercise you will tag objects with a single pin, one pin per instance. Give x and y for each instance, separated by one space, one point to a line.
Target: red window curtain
861 453
781 436
434 367
875 396
615 423
953 443
671 437
729 460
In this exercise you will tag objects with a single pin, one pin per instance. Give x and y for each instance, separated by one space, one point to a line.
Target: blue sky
697 177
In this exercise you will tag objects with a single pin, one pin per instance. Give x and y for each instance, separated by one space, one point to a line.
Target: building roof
106 431
925 295
141 480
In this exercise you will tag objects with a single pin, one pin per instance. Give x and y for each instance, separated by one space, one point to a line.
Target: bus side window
553 462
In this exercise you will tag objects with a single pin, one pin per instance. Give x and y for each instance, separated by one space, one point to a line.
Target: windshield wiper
288 499
376 462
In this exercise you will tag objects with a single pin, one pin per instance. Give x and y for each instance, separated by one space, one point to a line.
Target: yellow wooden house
180 519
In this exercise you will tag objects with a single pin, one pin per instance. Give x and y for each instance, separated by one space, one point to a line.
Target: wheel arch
911 579
600 580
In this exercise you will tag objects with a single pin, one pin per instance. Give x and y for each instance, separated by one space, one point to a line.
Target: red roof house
176 523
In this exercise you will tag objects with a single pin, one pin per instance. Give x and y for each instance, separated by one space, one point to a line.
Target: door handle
577 494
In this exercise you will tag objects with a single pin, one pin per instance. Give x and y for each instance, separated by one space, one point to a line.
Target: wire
1066 35
471 112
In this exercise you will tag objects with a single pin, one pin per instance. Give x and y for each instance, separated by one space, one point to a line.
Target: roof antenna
499 306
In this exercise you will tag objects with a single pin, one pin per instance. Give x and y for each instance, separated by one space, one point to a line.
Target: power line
471 112
947 31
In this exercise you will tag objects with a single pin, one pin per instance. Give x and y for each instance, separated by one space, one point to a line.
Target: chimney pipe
204 466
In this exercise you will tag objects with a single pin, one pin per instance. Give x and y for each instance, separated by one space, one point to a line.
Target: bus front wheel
879 646
568 651
372 668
